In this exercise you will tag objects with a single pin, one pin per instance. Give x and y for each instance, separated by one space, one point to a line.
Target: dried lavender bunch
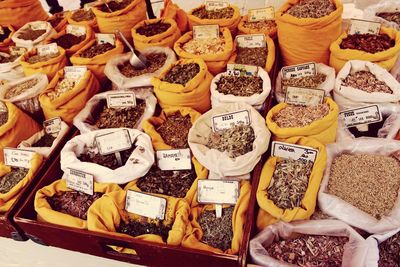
366 81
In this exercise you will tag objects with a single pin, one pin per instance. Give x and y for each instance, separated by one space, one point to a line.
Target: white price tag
359 116
251 40
17 51
38 25
76 30
259 14
17 157
358 26
117 141
304 96
214 5
217 191
241 70
228 120
121 100
52 126
80 181
145 205
297 71
205 31
174 159
48 49
102 38
74 72
295 152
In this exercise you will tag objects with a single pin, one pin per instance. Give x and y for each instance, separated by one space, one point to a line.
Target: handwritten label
251 40
241 70
76 30
102 38
17 51
113 142
18 157
296 152
52 125
301 70
304 96
217 191
359 116
205 31
80 181
174 159
48 49
74 72
228 120
358 26
145 205
259 14
38 25
214 5
121 100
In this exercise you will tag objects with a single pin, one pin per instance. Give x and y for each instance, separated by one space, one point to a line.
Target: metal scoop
137 60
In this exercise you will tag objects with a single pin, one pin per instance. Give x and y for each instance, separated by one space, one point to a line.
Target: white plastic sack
28 100
219 163
349 97
338 208
354 251
14 74
44 151
122 82
85 121
373 241
138 164
32 43
9 66
383 6
255 100
327 85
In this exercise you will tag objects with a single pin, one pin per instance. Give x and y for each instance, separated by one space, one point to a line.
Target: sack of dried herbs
319 122
173 11
325 80
219 235
59 20
288 189
58 204
361 184
124 76
252 90
386 58
5 38
267 27
252 140
96 115
214 52
386 12
27 37
14 180
68 104
383 249
185 83
309 243
83 17
97 62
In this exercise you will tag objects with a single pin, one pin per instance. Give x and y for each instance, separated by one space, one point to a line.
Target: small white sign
205 31
145 205
121 100
17 51
38 25
80 181
295 152
74 72
358 26
102 38
48 49
113 142
214 5
241 70
259 14
301 70
52 126
251 40
225 121
174 159
304 96
76 30
18 157
217 191
359 116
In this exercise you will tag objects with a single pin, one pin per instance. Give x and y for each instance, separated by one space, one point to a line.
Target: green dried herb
11 179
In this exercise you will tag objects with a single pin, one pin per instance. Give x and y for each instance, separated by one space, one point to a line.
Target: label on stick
80 181
121 100
113 142
358 26
259 14
304 96
301 70
205 31
228 120
217 191
174 159
145 205
18 157
251 40
359 116
291 151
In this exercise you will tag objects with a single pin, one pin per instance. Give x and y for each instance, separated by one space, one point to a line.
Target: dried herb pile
256 56
3 117
7 59
153 28
390 16
204 46
63 86
300 116
175 130
240 86
389 252
96 50
109 161
45 141
312 9
83 15
20 88
11 179
31 34
181 73
260 25
137 228
154 60
305 81
37 58
115 5
370 43
223 13
5 34
366 81
68 40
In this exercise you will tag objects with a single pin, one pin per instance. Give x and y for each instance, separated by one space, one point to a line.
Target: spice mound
3 117
366 81
390 16
45 141
223 13
120 117
289 183
181 73
30 34
11 179
175 129
170 183
237 140
369 182
256 56
217 232
97 49
68 40
83 15
137 228
20 88
300 116
204 46
260 25
7 59
370 43
154 60
310 250
153 28
62 87
5 34
73 203
312 9
389 252
115 5
240 86
37 58
305 81
109 161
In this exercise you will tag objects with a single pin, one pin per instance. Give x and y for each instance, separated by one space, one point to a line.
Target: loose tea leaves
68 40
310 250
181 73
11 179
289 183
63 86
370 43
305 82
153 28
154 62
204 46
45 141
366 81
83 15
30 34
109 161
37 58
217 232
223 13
300 116
20 88
5 34
389 252
240 86
115 5
369 182
256 56
312 9
390 16
137 228
175 130
260 25
73 203
97 49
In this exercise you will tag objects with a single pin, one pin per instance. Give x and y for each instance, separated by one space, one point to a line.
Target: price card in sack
361 116
121 100
174 159
212 5
241 70
301 70
75 30
38 25
102 38
358 26
80 181
145 205
48 49
113 142
205 31
18 157
259 14
228 120
74 72
52 126
291 151
304 96
251 40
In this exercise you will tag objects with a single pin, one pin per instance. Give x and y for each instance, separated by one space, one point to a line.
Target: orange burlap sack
173 11
91 23
271 32
5 44
19 12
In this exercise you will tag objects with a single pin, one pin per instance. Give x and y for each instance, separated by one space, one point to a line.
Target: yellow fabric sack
49 67
269 213
46 214
19 12
106 214
307 39
6 43
18 128
230 23
216 63
165 39
195 94
194 233
271 32
270 56
323 130
7 199
123 20
63 23
91 23
70 103
386 59
97 63
173 11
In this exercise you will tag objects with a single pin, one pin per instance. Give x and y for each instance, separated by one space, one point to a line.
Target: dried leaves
136 228
260 25
300 116
390 16
3 117
109 161
7 59
181 73
256 56
389 252
305 81
153 28
370 43
45 141
20 88
174 131
240 86
366 81
312 9
83 15
223 13
154 62
11 179
96 50
204 46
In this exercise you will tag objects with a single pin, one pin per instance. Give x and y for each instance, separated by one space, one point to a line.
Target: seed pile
300 116
175 130
305 82
5 34
260 25
109 161
20 88
370 43
366 81
83 15
389 252
11 179
62 87
115 5
223 13
68 40
181 73
390 16
30 34
240 86
155 61
45 141
97 49
312 9
153 28
137 228
204 46
36 58
256 56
